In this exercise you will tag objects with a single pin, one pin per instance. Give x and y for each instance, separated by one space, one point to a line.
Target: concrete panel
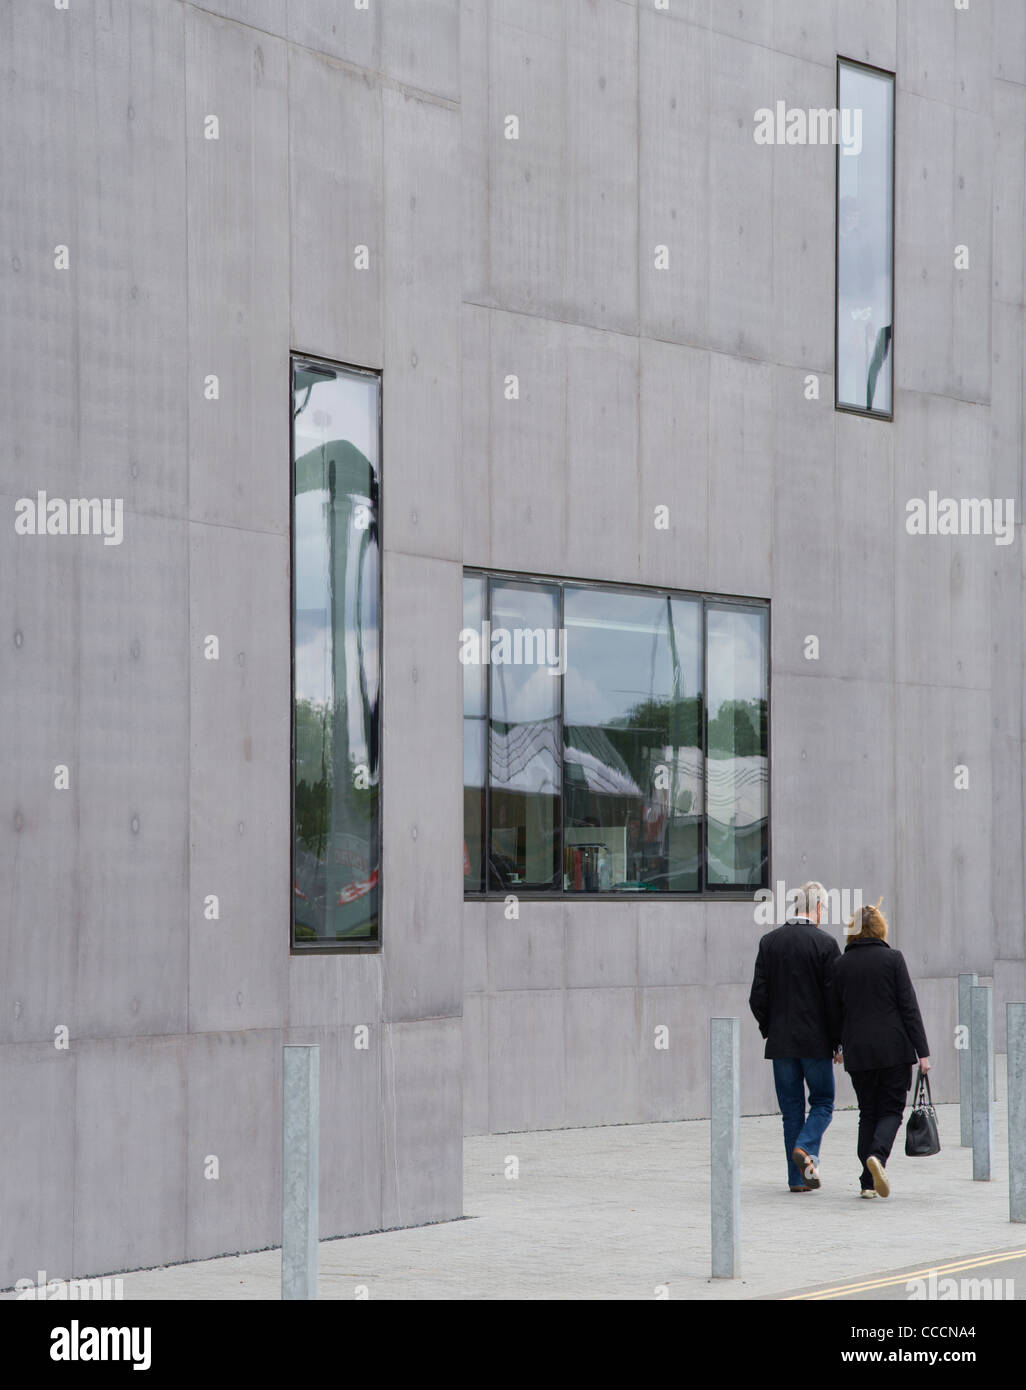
132 780
39 826
422 1133
475 143
674 465
527 1065
938 1004
601 944
1009 988
601 449
1007 412
868 32
740 476
476 452
528 177
802 232
340 31
38 304
421 802
810 528
238 257
924 242
420 44
345 987
475 947
129 256
868 519
240 788
739 252
941 582
353 1151
945 53
1009 194
528 444
725 1001
671 944
973 216
131 1154
853 846
529 953
37 1095
603 1056
234 1099
601 87
1009 36
673 178
732 938
1007 886
675 1073
475 1063
421 400
945 829
806 29
336 204
269 15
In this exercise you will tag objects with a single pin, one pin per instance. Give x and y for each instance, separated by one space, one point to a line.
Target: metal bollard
981 1030
299 1172
1015 1017
965 1071
725 1145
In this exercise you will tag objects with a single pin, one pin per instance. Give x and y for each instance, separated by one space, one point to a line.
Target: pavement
622 1212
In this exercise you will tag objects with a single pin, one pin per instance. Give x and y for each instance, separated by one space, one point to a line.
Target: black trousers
881 1094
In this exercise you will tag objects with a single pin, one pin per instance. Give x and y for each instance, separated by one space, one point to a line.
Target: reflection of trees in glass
739 729
675 723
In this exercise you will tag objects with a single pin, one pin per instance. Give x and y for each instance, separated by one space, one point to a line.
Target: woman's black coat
881 1025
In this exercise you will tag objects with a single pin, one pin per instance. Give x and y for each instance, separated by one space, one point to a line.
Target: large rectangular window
615 740
865 240
336 655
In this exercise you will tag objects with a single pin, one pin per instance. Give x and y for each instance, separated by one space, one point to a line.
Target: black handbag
922 1138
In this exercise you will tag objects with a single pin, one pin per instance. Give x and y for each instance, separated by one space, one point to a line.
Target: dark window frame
320 948
707 893
844 406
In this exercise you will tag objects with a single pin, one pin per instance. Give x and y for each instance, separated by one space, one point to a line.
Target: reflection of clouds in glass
737 657
345 408
521 694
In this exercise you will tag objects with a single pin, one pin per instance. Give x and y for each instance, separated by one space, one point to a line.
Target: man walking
794 1006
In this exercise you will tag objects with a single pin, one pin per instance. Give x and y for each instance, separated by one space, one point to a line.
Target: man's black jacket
791 994
881 1025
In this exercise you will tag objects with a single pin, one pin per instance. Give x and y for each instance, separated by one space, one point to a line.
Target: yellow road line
861 1286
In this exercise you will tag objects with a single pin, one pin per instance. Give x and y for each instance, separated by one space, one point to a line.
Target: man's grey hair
808 897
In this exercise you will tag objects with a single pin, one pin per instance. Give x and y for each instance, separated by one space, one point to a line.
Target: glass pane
632 765
737 768
475 733
524 650
336 655
865 260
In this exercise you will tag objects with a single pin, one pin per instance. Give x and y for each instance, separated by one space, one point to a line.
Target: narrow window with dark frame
336 655
865 240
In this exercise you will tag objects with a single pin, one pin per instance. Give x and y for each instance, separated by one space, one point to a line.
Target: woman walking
882 1036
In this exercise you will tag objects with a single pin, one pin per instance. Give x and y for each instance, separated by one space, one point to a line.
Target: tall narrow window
336 655
865 240
626 743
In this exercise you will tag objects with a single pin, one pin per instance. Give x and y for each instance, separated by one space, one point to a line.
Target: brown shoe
808 1166
808 1189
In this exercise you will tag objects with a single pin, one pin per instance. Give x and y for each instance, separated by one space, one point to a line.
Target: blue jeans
790 1076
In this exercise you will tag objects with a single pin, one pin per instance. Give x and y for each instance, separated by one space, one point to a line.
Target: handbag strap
923 1090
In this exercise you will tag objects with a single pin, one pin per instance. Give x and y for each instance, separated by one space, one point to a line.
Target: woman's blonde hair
868 924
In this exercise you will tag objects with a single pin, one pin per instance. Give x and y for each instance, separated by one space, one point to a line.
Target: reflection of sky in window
619 653
474 595
737 656
521 694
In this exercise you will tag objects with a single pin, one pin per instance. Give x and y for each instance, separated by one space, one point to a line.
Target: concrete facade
189 257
